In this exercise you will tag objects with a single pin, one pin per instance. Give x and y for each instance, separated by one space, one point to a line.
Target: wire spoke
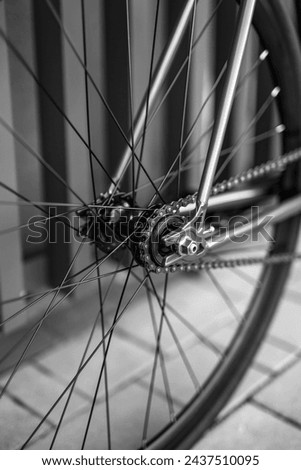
71 287
182 67
185 167
236 314
80 364
154 370
38 157
186 323
19 342
182 353
13 191
261 59
33 224
99 288
49 96
74 383
66 36
81 62
37 329
48 291
130 86
105 354
241 140
43 204
162 359
84 365
24 198
190 133
143 136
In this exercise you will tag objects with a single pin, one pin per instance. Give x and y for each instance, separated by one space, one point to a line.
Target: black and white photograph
150 250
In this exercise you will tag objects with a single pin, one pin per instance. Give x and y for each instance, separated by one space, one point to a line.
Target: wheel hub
108 221
155 236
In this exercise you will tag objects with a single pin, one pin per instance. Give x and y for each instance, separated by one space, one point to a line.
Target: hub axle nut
187 247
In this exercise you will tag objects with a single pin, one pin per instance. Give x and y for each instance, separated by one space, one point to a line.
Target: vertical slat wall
298 16
11 266
50 71
24 99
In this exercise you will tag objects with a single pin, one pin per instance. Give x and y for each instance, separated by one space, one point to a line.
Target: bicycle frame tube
155 86
287 209
221 122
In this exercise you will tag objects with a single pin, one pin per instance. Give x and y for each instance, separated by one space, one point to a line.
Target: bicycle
153 240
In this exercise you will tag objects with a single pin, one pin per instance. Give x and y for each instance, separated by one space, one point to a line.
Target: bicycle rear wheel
135 359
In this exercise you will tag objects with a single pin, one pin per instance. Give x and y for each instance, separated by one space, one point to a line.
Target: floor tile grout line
86 407
272 340
252 401
139 343
290 299
263 384
49 373
275 413
280 343
38 438
23 405
209 328
49 421
79 392
257 365
159 393
287 365
134 378
292 292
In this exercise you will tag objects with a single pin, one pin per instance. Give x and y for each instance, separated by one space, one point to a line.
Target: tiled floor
264 413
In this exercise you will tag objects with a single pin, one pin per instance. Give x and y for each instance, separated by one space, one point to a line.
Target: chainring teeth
170 210
259 171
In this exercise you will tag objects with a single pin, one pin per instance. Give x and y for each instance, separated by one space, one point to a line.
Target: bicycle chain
174 208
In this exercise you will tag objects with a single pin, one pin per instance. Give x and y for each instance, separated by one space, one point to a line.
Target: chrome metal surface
284 211
220 125
231 200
